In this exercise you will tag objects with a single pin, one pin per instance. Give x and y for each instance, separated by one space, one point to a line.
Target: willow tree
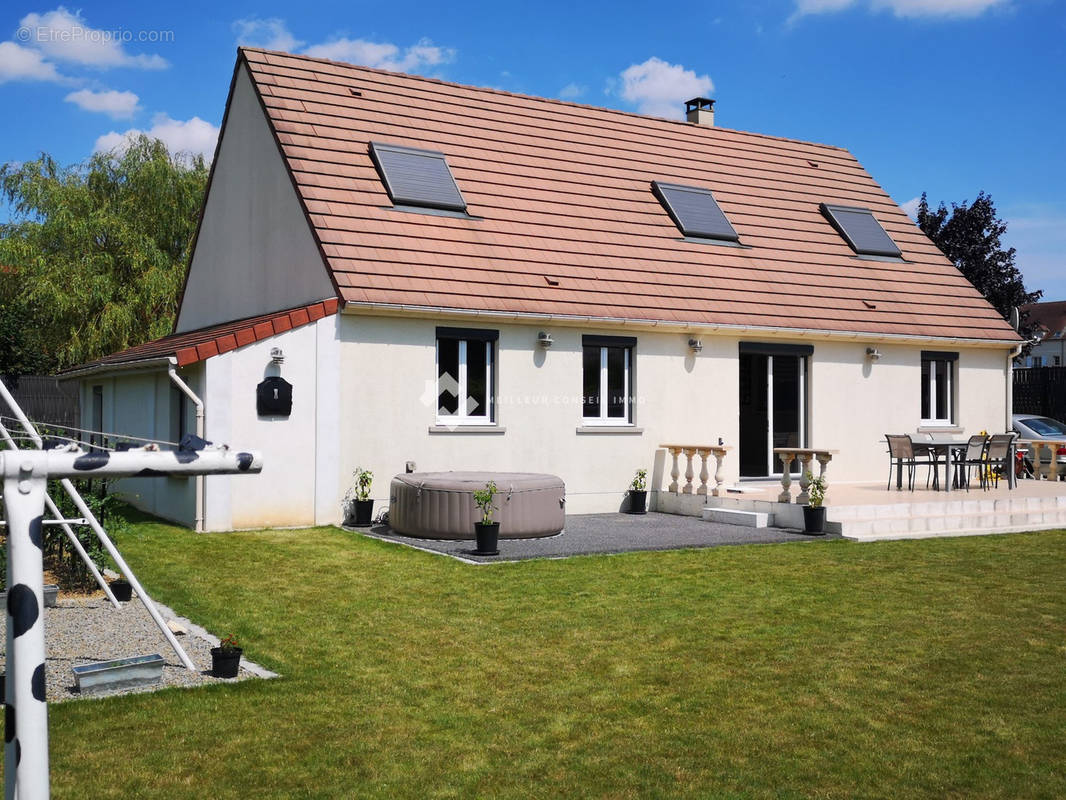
100 248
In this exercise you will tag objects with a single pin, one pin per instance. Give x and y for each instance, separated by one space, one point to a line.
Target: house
449 277
1049 321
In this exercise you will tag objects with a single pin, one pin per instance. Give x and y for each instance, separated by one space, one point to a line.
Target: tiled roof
193 346
1051 317
564 220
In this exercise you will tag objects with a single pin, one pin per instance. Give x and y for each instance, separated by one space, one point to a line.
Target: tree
969 237
101 247
22 351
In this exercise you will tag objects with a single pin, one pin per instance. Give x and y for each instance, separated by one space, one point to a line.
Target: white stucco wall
286 493
254 252
139 404
387 386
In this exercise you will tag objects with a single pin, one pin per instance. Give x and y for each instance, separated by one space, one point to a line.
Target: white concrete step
732 516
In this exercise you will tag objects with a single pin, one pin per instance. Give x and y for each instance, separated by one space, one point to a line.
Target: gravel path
85 630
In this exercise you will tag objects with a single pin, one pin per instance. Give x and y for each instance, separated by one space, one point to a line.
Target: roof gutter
351 307
103 370
183 387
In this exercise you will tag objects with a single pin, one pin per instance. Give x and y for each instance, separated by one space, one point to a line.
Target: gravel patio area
84 630
588 534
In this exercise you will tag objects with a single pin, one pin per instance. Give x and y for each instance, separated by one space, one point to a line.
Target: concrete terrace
867 511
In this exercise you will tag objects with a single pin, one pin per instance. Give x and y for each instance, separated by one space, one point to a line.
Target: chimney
700 110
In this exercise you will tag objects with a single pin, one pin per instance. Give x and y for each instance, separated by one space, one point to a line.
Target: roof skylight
860 230
694 211
415 177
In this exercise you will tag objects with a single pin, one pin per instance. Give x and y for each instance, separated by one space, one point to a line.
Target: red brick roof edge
194 346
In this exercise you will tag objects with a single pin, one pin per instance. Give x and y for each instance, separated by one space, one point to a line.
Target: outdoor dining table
949 449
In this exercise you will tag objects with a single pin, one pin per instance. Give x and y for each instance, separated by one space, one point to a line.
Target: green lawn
905 669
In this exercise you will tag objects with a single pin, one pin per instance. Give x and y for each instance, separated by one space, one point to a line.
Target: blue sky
945 96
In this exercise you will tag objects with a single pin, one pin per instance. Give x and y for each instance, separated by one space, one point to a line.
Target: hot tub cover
440 505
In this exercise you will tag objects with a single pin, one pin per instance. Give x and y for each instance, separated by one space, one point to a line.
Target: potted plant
122 590
638 493
358 507
487 532
226 658
814 511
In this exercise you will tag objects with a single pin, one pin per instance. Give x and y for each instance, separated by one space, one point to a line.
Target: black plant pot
488 537
364 512
638 502
225 663
122 590
814 519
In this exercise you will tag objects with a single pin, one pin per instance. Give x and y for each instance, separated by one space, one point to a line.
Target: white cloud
22 64
63 35
911 207
270 34
193 136
660 89
384 55
115 104
572 91
901 8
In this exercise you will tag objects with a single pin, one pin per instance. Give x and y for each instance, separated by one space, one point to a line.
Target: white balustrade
704 453
805 455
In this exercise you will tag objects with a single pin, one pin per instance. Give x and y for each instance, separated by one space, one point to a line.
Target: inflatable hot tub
440 505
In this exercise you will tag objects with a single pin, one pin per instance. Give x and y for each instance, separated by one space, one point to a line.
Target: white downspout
184 388
1012 354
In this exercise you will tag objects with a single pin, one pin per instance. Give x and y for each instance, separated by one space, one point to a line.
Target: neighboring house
1049 321
411 246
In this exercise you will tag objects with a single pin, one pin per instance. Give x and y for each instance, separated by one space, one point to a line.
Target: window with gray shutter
415 177
694 211
860 230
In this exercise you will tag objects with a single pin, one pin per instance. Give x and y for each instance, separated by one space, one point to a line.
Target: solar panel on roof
861 230
694 211
416 177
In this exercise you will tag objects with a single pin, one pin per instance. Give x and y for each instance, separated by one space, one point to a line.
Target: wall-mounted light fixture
695 345
544 339
277 356
873 353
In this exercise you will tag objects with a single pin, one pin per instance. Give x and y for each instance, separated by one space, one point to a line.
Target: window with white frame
938 387
607 380
465 376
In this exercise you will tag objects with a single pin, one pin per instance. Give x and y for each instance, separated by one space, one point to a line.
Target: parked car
1031 426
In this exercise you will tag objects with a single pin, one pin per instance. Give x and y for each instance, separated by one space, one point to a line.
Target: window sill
630 429
940 429
483 429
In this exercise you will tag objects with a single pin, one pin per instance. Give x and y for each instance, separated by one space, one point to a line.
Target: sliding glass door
773 407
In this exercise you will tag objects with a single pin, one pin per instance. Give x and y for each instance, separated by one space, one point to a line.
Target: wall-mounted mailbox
273 398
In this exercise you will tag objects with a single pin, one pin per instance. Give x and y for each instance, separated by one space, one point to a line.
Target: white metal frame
602 418
25 475
771 458
462 417
933 385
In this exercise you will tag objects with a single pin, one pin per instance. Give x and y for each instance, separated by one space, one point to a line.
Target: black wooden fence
1040 390
45 399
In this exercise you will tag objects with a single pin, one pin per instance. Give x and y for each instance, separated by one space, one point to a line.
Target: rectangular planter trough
51 592
119 673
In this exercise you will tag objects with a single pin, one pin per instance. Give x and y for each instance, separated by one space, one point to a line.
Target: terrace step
895 523
732 516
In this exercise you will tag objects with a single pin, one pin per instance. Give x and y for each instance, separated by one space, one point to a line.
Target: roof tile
563 189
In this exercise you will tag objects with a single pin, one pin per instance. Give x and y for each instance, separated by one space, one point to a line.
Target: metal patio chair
901 454
976 456
998 456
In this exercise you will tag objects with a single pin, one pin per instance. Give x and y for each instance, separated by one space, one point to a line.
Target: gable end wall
255 252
